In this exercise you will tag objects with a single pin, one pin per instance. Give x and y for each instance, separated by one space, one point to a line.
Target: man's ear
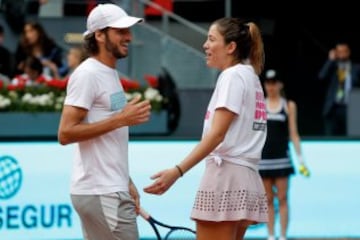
99 36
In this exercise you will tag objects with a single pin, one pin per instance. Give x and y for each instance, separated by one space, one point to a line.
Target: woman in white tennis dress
231 195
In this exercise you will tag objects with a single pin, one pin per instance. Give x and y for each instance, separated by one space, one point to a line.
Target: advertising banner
35 180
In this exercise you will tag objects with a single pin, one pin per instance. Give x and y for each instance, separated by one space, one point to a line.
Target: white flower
58 106
136 94
128 96
42 100
60 99
45 99
13 94
32 98
27 97
159 98
4 102
151 93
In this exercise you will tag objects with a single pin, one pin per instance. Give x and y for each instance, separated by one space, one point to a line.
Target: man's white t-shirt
100 164
239 90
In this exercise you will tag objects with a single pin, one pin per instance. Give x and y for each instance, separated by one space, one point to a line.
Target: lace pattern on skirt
231 201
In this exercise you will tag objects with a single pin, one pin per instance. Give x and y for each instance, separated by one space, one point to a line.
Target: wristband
300 159
179 169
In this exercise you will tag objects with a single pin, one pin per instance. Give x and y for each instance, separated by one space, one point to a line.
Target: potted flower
38 105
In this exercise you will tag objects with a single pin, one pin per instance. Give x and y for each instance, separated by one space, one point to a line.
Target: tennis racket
173 232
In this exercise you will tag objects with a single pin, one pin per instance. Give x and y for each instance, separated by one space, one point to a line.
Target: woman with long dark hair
34 41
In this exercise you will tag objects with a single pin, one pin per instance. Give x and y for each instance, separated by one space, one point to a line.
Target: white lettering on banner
32 216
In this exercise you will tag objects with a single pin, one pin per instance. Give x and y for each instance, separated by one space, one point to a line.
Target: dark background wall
297 38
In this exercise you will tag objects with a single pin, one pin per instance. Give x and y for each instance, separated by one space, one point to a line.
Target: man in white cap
96 117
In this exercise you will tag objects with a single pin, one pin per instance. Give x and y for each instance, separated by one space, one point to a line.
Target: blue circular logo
10 177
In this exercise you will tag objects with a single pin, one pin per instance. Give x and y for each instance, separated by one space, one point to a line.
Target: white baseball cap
109 15
270 74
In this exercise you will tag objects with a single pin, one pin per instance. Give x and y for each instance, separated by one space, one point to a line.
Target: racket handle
144 214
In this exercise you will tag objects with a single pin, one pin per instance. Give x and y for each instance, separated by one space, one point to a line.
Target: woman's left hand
163 181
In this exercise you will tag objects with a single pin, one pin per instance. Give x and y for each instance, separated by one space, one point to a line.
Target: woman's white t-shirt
239 90
100 164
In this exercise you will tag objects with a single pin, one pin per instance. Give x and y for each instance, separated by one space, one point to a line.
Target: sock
271 237
282 238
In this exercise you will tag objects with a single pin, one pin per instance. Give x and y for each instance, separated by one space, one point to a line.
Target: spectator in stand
33 73
74 57
35 42
6 58
340 74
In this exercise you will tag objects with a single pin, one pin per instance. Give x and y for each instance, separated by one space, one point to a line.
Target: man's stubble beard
113 49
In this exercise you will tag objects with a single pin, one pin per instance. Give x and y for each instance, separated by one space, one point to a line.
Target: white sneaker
282 238
271 238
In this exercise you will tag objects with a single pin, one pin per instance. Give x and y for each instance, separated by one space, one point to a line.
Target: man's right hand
135 112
